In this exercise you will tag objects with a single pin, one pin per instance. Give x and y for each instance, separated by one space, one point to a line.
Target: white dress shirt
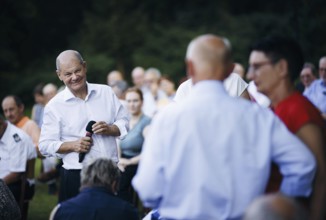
234 85
66 117
16 147
209 156
258 97
316 93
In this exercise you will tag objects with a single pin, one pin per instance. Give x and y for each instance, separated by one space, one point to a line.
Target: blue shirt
132 144
316 93
209 157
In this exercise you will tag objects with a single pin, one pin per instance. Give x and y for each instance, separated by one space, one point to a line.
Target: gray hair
101 172
153 71
311 67
77 55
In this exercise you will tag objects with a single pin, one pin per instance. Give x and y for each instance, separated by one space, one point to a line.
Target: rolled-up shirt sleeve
50 142
121 119
295 161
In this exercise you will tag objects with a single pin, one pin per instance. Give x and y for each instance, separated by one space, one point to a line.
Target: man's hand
103 128
83 145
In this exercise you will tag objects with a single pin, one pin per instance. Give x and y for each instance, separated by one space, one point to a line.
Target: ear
190 68
21 108
282 67
228 70
85 66
59 74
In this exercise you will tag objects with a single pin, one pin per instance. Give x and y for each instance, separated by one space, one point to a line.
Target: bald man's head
275 207
210 58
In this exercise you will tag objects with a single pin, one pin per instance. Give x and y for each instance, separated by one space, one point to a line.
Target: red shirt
295 111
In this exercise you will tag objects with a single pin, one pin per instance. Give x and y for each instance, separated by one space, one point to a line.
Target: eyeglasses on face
255 66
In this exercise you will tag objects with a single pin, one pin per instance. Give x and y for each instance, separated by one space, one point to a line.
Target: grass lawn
42 204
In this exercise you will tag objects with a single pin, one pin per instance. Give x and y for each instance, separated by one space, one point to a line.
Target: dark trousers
16 187
125 188
69 184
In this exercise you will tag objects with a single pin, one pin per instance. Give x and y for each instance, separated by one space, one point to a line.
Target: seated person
16 148
132 144
97 200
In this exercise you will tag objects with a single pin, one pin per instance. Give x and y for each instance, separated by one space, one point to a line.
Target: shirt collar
67 94
209 86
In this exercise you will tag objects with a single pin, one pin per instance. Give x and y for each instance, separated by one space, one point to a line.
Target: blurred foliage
122 34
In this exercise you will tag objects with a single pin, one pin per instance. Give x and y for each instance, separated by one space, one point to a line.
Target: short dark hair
38 89
277 48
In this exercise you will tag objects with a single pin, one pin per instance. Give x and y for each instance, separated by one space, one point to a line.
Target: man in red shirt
275 63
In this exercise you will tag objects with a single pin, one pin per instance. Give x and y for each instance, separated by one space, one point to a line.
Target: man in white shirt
316 92
203 159
16 148
234 85
67 115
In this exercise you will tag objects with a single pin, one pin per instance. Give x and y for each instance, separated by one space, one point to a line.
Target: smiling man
67 114
275 63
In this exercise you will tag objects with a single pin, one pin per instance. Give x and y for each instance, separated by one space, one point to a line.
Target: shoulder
18 136
235 85
314 87
183 90
99 87
296 111
295 105
146 119
32 125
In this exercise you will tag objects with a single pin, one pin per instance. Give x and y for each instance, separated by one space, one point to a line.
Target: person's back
97 199
208 160
233 168
96 203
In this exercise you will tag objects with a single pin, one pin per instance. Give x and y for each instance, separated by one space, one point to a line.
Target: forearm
113 130
134 160
67 147
318 198
12 178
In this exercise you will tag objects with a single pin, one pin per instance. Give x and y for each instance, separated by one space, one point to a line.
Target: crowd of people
224 144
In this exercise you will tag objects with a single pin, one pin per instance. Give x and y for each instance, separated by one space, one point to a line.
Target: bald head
210 57
66 57
113 77
275 207
322 68
49 91
138 74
